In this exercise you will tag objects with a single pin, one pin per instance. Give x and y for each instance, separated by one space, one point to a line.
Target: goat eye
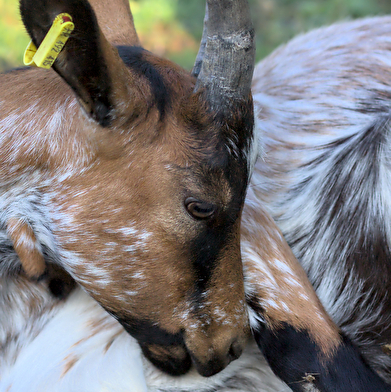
199 209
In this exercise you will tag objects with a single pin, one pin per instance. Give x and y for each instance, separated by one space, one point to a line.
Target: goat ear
116 21
88 63
26 246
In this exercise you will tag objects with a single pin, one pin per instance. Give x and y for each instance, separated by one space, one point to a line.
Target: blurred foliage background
172 28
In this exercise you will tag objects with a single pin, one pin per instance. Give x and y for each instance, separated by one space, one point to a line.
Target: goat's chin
174 359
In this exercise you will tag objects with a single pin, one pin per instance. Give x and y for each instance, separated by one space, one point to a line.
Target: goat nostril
235 351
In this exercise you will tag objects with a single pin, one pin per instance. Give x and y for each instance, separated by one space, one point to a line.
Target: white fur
323 104
106 358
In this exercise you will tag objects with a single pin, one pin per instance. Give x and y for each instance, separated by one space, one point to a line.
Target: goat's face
154 238
150 226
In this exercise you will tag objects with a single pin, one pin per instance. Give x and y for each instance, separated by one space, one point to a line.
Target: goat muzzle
176 360
218 361
212 352
209 350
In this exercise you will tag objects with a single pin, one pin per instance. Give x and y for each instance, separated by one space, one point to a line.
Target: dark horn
225 62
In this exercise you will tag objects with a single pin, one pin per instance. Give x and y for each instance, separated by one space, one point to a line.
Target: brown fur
25 245
69 362
289 297
116 21
113 186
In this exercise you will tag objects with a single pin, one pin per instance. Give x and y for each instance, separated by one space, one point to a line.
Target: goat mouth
169 353
164 350
177 361
174 360
217 363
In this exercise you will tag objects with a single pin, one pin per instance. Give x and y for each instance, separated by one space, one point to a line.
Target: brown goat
130 174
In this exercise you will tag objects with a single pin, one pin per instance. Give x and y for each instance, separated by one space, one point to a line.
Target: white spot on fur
282 267
27 242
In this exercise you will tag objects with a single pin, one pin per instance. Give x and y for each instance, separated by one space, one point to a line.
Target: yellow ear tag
51 45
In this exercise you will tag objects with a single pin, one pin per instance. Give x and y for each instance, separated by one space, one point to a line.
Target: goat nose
216 362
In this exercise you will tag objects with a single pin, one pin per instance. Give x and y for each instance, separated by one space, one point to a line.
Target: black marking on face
165 350
223 184
133 57
146 332
214 242
204 252
235 122
173 360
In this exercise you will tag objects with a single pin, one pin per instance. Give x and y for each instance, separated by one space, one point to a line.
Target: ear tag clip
51 45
